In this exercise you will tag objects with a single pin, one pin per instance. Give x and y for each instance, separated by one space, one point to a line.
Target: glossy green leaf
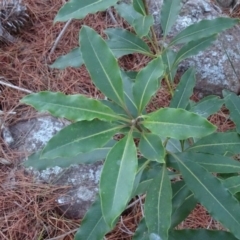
207 106
151 147
177 123
142 25
150 171
93 226
72 107
131 75
128 94
184 90
169 14
209 191
117 179
218 143
138 5
102 65
80 9
123 42
213 163
72 59
147 83
142 187
203 29
200 234
158 207
136 183
127 12
194 47
116 108
97 154
140 22
183 202
232 184
79 137
232 102
175 146
168 58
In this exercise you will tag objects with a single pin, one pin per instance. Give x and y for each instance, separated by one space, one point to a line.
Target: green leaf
168 58
184 90
207 106
177 123
93 226
158 205
169 14
174 145
232 102
151 147
203 29
194 47
127 12
128 95
123 42
212 163
209 191
200 234
102 65
72 59
97 154
142 25
116 108
117 179
139 7
232 184
141 231
140 22
80 9
218 143
150 172
147 83
79 137
142 187
183 202
72 107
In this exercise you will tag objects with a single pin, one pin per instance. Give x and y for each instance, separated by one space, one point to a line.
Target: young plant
178 149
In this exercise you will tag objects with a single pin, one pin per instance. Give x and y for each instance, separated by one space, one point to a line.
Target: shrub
179 160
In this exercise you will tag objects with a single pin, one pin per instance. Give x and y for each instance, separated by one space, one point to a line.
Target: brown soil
29 210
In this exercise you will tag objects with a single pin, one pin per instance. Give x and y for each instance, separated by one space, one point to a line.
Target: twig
109 11
135 202
2 113
59 37
15 87
126 230
63 235
141 205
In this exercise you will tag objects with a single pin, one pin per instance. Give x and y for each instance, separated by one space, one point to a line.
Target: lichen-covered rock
213 67
31 136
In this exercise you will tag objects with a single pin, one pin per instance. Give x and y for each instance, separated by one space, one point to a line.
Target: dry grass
28 210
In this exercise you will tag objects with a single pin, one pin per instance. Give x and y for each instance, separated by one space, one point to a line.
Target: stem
152 43
169 85
154 37
123 119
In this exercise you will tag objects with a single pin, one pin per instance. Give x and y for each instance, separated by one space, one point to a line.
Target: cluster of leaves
177 141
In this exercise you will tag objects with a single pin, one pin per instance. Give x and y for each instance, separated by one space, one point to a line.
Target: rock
31 136
213 68
83 181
